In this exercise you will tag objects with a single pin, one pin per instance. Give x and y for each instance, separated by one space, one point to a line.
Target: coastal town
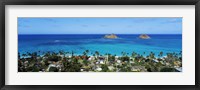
88 61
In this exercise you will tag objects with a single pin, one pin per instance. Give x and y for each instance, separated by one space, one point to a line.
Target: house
138 69
179 69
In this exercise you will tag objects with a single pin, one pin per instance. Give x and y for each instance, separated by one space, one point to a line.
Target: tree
19 55
34 55
61 52
97 53
166 69
161 54
24 55
104 68
87 51
53 69
134 55
144 53
72 53
84 53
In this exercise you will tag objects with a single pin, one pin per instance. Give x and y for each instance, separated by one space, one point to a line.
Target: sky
156 25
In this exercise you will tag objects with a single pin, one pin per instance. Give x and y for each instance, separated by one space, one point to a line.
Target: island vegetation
111 36
70 62
144 36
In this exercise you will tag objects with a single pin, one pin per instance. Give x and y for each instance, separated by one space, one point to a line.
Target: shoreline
104 54
89 56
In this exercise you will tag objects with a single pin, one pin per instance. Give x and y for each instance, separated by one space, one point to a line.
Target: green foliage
125 58
125 69
71 67
53 69
33 62
104 68
166 69
111 58
85 62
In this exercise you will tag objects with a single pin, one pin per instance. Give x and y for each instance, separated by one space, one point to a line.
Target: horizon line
89 33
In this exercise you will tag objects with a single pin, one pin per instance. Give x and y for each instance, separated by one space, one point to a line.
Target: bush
168 70
53 69
104 68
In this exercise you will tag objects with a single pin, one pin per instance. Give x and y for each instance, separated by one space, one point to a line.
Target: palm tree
161 53
61 52
152 55
134 55
72 53
24 55
84 53
123 53
19 55
97 53
106 54
87 51
180 53
47 54
66 53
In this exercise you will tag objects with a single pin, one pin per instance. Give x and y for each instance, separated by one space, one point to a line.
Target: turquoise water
78 43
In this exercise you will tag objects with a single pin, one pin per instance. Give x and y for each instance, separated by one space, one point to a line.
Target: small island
144 36
111 36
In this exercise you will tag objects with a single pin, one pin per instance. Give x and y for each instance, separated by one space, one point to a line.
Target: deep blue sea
78 43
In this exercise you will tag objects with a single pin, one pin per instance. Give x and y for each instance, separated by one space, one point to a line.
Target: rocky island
111 36
144 36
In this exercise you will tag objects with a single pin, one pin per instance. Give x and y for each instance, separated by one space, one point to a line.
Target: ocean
78 43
